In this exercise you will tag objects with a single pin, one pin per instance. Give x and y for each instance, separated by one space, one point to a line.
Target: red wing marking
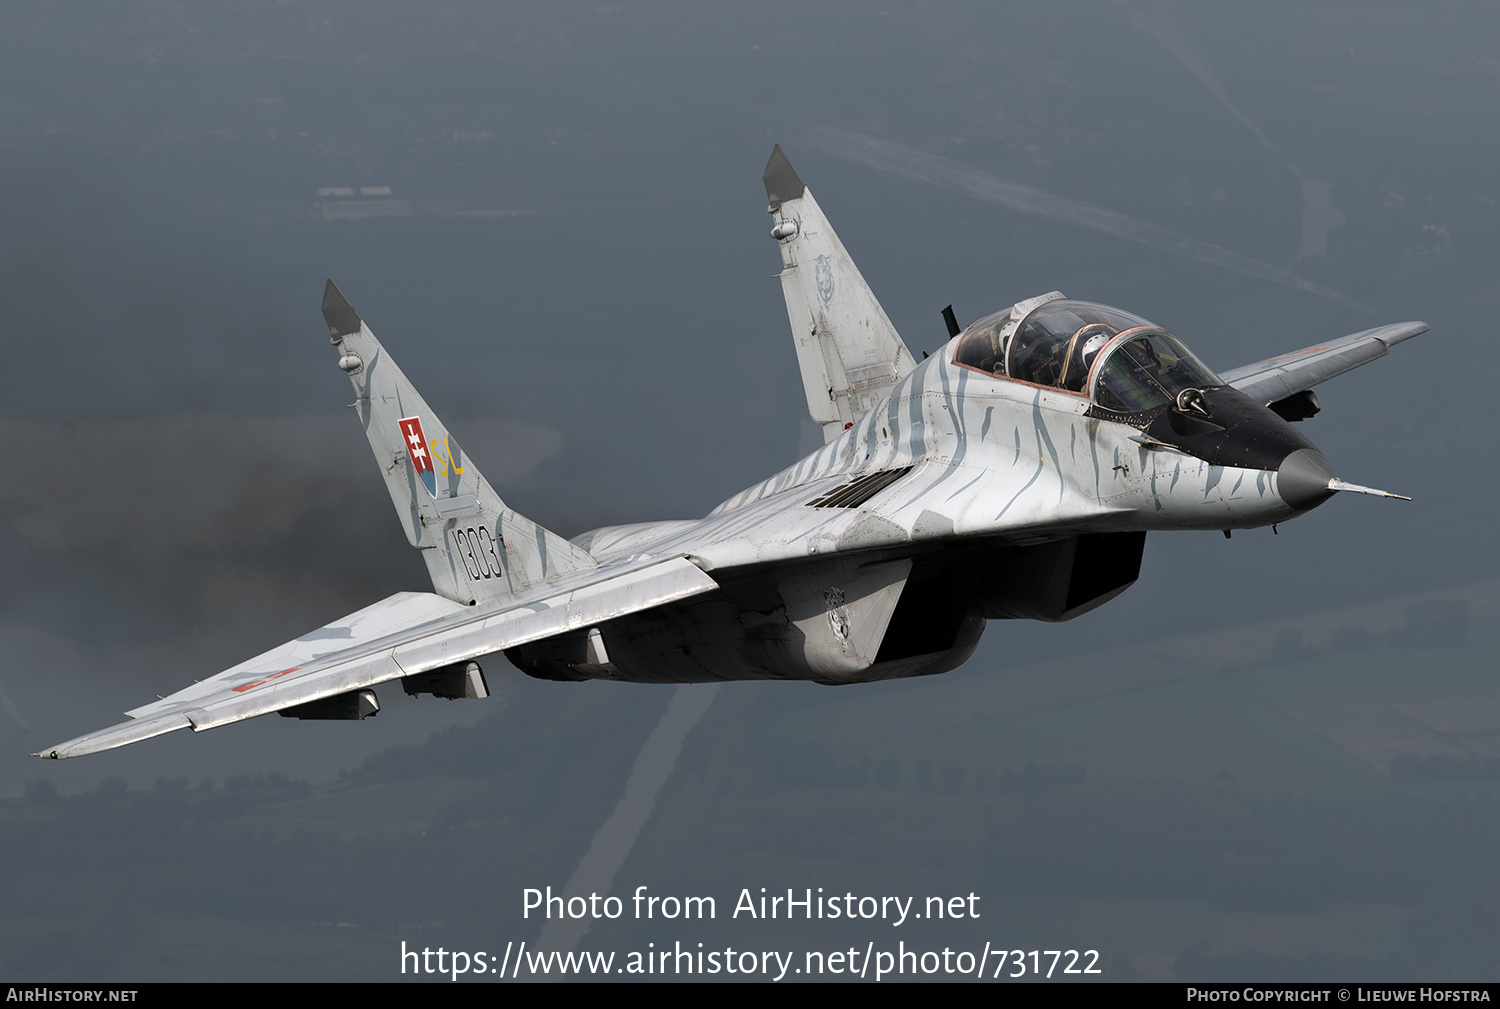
257 683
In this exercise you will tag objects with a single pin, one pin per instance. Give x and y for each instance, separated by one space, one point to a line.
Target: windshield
1148 371
1057 342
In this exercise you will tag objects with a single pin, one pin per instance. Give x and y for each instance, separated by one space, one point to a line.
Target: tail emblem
823 272
416 449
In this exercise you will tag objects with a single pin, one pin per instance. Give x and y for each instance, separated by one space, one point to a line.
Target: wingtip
781 179
1405 331
341 317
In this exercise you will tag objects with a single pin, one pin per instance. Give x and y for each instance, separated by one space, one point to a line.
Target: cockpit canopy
1121 361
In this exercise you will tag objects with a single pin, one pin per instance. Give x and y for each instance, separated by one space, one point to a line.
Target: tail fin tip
782 181
341 317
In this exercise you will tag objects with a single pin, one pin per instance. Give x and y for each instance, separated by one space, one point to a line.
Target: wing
404 636
1287 374
499 579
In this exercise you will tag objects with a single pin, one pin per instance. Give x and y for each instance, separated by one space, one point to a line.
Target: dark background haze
1275 756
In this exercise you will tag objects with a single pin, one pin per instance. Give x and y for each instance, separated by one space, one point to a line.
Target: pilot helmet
1091 347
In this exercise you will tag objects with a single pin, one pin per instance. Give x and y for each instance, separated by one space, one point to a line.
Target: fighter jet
1013 474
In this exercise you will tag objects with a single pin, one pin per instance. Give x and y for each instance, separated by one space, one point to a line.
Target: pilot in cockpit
1081 348
1091 346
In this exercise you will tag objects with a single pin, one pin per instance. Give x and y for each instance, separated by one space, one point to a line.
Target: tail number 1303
478 552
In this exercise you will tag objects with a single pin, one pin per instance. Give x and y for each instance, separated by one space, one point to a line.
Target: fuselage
991 455
962 495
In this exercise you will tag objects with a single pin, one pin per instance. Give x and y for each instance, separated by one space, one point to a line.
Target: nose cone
1303 479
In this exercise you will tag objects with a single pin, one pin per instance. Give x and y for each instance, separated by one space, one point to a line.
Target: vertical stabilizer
849 352
476 549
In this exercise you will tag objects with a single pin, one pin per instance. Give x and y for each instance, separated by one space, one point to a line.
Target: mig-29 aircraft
1014 474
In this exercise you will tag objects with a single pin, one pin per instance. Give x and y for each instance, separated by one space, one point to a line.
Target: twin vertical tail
849 353
476 549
